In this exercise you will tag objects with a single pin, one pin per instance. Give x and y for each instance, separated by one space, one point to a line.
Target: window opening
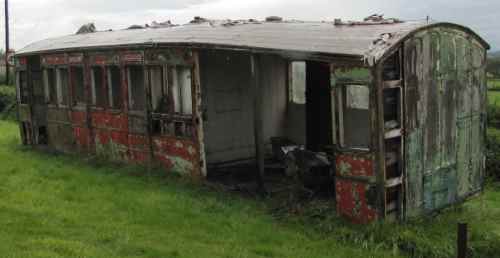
298 82
354 103
137 92
158 89
78 85
97 83
22 81
62 86
114 87
49 75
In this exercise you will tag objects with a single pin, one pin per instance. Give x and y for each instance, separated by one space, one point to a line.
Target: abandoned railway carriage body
400 106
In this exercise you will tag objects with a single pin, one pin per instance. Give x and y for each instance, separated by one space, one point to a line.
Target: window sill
79 107
94 108
137 112
392 134
354 149
115 111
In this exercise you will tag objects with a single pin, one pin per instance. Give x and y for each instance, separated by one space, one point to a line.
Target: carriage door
173 132
444 119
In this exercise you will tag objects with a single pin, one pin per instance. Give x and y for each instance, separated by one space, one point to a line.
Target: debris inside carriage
291 170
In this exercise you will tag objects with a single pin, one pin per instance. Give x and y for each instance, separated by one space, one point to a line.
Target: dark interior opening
137 90
392 70
43 136
114 84
78 79
26 133
392 107
393 157
318 106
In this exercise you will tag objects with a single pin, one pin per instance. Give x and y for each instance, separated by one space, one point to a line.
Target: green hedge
7 102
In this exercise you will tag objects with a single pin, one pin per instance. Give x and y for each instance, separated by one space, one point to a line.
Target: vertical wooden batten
380 142
198 113
258 121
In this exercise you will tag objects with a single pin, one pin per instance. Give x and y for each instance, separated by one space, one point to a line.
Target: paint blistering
353 201
445 96
179 155
354 165
354 187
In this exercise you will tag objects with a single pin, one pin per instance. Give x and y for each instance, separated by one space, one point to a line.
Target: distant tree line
493 67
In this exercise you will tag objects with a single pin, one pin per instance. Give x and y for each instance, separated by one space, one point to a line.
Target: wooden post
258 122
380 140
462 240
7 43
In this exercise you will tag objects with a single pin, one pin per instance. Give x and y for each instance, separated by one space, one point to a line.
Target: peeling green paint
444 103
357 75
181 166
111 150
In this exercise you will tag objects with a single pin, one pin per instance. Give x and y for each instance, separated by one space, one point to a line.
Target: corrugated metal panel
317 37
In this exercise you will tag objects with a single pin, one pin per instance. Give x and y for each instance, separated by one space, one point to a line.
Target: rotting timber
389 114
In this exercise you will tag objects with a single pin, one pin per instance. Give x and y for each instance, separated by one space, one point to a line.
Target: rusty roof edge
378 51
371 59
293 54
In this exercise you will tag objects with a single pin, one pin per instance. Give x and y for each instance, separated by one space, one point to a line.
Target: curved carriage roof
364 40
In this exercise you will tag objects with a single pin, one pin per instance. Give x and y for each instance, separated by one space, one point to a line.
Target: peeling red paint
132 57
164 160
352 202
79 117
184 149
167 149
54 59
23 61
75 58
140 157
349 165
103 119
82 137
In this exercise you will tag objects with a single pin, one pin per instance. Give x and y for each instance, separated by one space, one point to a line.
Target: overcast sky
32 20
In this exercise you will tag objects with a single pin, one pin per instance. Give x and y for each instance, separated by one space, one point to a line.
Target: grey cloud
127 6
37 19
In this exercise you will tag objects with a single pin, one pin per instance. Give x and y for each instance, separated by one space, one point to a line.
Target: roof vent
86 28
274 19
198 20
135 27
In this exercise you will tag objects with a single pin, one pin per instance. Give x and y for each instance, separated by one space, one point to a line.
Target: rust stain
352 201
353 165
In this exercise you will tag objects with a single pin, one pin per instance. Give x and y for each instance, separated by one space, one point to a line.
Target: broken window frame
98 95
75 99
112 95
177 118
132 96
341 100
292 90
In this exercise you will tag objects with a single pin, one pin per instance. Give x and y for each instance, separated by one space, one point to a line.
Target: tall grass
64 206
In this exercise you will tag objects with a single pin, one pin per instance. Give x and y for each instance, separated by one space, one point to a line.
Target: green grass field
494 97
57 206
494 84
62 206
